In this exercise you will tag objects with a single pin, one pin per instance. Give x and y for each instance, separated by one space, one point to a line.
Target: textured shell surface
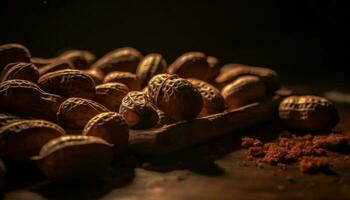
207 90
155 85
73 102
18 68
104 88
240 83
65 75
171 86
118 75
68 141
28 124
100 119
302 104
151 65
134 100
17 83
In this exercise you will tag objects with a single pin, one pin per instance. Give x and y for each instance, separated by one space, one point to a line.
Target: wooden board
184 134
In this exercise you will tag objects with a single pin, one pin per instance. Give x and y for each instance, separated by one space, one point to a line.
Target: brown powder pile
309 151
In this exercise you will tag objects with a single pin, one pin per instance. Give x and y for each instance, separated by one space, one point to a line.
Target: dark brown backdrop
292 36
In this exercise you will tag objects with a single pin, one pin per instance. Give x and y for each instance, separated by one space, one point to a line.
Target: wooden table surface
217 170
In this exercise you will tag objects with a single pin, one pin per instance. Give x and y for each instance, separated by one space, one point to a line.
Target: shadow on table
201 158
32 180
85 189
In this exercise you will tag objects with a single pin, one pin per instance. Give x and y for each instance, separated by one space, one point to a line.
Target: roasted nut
151 65
122 59
75 156
230 66
192 65
127 78
164 119
80 59
23 71
68 83
23 139
10 53
138 111
214 65
213 101
308 113
243 91
74 113
111 95
40 62
175 96
109 126
268 76
26 98
6 119
56 65
95 74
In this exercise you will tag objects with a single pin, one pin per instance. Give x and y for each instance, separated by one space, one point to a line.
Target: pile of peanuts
70 114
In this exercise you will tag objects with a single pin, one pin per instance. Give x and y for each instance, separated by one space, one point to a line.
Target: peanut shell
122 59
68 83
111 95
10 53
75 157
109 126
74 113
150 65
243 91
308 113
26 98
212 98
175 96
127 78
23 71
138 111
22 139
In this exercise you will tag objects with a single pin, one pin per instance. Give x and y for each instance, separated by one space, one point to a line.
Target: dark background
301 39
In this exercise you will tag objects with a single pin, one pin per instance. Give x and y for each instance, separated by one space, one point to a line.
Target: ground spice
309 151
